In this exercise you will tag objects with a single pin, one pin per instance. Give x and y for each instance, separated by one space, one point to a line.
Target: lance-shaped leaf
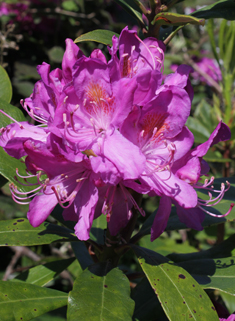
220 9
82 255
181 296
175 19
147 305
23 301
213 273
224 249
99 35
42 274
130 6
5 85
96 297
20 232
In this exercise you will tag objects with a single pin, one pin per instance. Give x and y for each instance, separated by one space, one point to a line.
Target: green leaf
8 166
99 35
129 6
97 233
150 256
5 86
23 301
213 274
220 9
20 232
210 30
165 246
82 254
42 274
181 296
56 54
200 132
175 19
12 111
224 249
104 297
229 301
147 305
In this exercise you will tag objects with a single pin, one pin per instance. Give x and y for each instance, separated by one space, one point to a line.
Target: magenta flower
189 169
107 129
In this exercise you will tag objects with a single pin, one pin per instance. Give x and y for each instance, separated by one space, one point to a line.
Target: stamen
154 64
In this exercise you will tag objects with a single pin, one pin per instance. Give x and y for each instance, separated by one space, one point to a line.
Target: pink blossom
108 129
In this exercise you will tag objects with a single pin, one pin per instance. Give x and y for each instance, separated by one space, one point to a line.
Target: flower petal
161 218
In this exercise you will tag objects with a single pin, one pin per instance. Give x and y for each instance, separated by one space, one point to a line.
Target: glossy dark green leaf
220 9
100 297
5 85
175 19
131 8
151 257
224 249
20 232
23 301
213 273
147 305
99 35
181 296
42 274
82 254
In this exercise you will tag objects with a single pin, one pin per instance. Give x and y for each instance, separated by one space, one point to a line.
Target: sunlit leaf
104 297
42 274
20 232
213 273
99 35
181 296
23 301
5 85
175 19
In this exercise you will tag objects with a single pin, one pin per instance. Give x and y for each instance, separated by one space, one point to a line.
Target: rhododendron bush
111 158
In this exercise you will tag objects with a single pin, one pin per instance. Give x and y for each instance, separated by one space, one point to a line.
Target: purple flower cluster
107 129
